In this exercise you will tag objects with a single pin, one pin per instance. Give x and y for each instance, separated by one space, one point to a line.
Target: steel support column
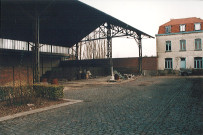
36 50
76 52
140 54
109 49
51 55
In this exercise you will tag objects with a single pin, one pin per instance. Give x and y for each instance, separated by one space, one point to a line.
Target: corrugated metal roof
62 23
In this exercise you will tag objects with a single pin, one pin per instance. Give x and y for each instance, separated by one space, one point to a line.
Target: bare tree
95 49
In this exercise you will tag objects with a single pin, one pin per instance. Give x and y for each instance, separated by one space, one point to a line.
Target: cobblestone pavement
146 106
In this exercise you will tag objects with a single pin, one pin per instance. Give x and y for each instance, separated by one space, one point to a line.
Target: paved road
146 106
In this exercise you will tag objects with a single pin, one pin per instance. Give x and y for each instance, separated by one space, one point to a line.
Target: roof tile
174 23
183 21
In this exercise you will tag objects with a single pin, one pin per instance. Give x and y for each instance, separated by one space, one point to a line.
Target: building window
198 62
168 29
198 45
168 63
197 26
168 45
182 27
182 45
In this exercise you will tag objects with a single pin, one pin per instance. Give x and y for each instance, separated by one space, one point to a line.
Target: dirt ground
6 109
86 83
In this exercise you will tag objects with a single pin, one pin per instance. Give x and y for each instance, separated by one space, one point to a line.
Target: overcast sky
147 16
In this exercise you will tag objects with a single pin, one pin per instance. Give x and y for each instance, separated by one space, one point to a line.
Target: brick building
179 45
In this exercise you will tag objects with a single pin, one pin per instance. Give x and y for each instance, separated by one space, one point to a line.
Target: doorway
182 63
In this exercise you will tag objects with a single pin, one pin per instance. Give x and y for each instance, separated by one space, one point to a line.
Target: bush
16 95
24 94
4 93
48 91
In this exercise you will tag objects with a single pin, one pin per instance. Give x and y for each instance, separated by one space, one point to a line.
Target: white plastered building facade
176 54
179 45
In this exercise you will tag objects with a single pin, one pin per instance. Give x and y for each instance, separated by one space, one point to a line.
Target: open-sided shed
60 22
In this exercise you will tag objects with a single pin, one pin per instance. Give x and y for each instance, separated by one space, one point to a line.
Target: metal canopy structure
62 23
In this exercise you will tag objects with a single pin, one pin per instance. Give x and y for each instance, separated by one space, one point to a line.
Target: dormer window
197 26
168 29
182 27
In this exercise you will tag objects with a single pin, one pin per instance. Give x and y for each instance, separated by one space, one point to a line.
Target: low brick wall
131 65
21 62
73 73
68 69
100 67
15 75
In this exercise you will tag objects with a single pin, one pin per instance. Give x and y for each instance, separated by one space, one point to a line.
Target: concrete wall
175 53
